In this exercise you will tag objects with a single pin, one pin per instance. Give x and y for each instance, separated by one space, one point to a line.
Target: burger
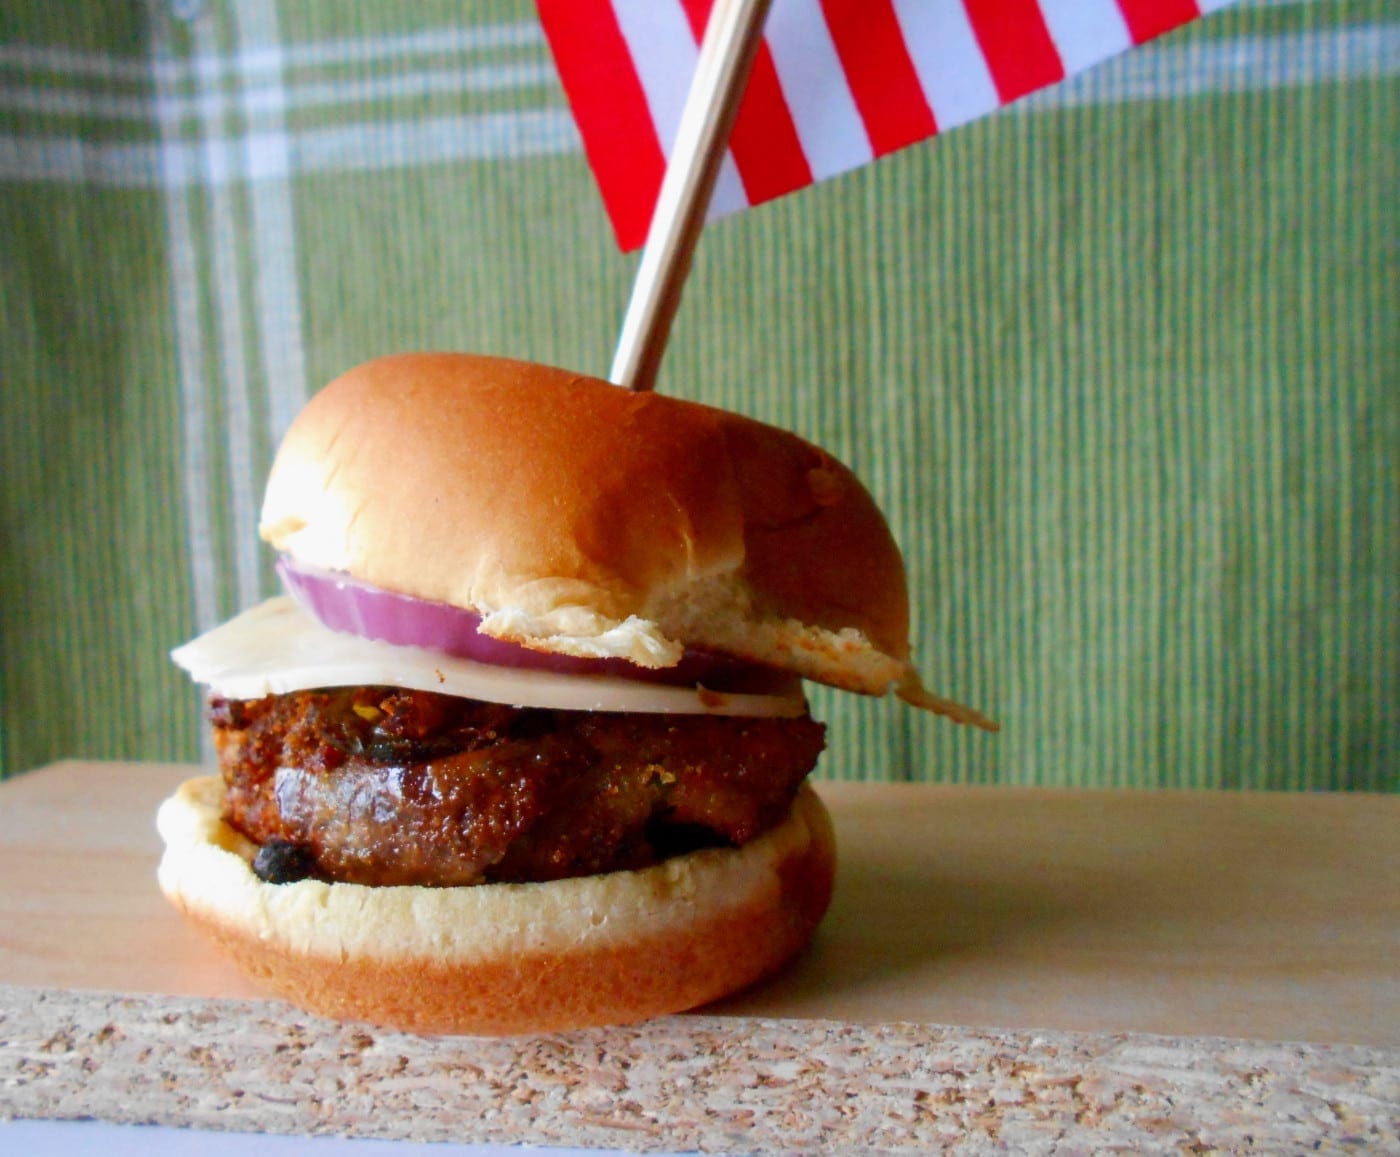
524 746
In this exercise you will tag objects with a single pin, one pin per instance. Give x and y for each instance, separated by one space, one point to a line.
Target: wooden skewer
727 51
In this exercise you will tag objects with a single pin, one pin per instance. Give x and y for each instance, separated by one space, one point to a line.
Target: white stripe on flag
952 70
1085 31
662 47
824 112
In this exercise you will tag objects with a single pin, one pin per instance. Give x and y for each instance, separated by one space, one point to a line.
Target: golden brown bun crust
505 960
581 517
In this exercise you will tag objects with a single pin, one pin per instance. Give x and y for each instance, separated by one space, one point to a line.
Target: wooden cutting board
1270 917
994 914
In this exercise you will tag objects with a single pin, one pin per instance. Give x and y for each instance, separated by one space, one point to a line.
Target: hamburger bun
505 959
588 520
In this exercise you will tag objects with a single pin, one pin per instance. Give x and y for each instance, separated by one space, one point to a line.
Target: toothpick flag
836 83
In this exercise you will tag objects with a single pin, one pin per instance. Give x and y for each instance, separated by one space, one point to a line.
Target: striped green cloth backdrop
1122 363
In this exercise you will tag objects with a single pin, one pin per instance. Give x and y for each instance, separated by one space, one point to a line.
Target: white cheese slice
277 647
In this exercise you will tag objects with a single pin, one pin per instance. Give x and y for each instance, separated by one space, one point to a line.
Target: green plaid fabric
1122 363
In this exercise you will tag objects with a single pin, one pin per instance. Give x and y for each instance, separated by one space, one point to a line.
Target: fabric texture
1120 361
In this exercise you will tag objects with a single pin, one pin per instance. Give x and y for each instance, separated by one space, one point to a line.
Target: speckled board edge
688 1083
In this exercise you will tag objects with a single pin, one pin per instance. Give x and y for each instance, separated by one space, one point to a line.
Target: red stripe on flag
763 141
880 73
1148 18
610 107
1020 54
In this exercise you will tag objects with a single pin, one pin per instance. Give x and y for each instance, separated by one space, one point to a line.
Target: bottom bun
505 959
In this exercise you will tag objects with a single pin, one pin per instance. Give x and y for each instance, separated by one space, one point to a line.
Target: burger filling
384 786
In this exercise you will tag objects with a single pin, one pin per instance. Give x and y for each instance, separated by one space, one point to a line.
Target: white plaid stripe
1153 72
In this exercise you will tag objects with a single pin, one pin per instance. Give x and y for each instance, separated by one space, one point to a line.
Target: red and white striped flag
836 83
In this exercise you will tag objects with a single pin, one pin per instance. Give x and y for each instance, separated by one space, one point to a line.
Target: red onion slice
346 604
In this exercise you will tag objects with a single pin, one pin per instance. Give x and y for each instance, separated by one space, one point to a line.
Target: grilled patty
377 785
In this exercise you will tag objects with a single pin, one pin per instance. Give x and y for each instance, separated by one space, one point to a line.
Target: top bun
582 518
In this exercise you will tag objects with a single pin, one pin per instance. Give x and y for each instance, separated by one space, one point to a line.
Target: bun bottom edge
658 967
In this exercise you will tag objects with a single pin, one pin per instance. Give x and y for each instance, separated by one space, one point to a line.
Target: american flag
836 83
